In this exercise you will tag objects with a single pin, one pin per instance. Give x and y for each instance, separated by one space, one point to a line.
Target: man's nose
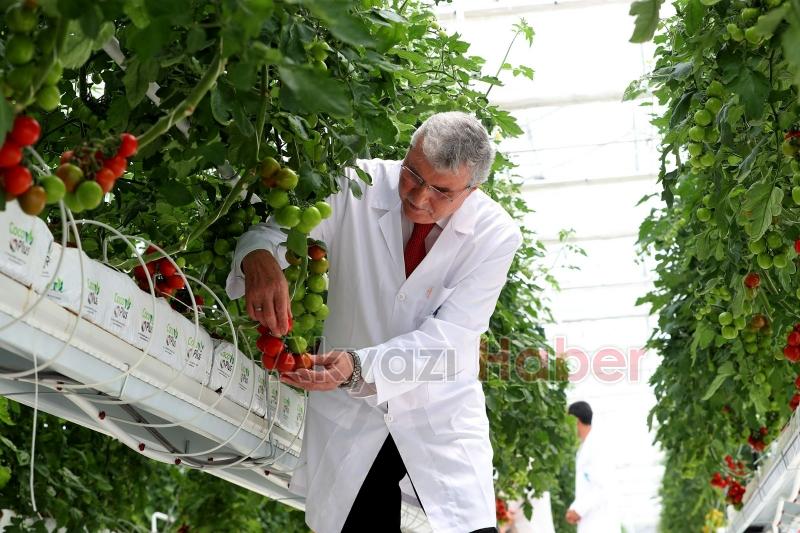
420 196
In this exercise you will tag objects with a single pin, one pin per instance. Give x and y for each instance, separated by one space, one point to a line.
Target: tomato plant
726 293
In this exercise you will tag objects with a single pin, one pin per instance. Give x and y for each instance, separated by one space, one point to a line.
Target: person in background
593 509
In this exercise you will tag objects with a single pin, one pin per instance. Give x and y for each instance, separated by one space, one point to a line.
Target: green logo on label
94 286
57 285
147 316
16 231
122 301
172 331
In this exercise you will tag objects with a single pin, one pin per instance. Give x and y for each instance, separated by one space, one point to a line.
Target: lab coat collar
385 197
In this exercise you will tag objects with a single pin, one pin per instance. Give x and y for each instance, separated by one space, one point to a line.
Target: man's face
421 205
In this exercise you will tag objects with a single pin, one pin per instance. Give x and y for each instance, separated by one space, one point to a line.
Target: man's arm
259 258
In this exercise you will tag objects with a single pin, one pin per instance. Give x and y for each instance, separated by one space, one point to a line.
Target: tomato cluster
735 489
792 348
501 510
17 180
279 182
164 274
92 169
31 73
280 356
756 440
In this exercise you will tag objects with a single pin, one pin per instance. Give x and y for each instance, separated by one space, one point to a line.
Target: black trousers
377 505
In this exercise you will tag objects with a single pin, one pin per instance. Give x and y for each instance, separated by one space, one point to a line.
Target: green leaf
219 107
763 200
681 109
647 16
6 118
77 47
753 89
791 48
311 91
746 166
694 12
297 242
769 21
5 417
5 476
723 372
176 194
138 77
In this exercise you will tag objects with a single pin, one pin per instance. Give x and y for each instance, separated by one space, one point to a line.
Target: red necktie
415 247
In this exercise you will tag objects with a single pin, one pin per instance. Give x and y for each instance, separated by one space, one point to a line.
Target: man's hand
266 291
337 368
572 517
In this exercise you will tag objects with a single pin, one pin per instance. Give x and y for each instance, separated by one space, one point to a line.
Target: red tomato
105 178
285 362
128 145
316 252
17 180
269 345
166 268
303 361
793 339
26 131
262 329
10 154
792 353
67 156
752 280
117 165
268 362
176 282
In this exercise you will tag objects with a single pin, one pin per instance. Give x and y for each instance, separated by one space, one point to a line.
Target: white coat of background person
417 337
594 508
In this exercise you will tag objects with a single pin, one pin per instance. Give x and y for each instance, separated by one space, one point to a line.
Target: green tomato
288 216
286 179
323 312
780 261
317 283
311 217
739 322
305 322
789 149
19 50
752 35
707 159
725 318
48 97
324 209
702 117
759 378
734 159
729 332
749 13
53 75
292 273
299 293
297 344
73 203
764 261
21 19
54 188
697 133
222 247
297 308
751 348
220 262
277 198
774 240
313 302
695 149
715 88
90 194
703 214
735 32
713 105
757 247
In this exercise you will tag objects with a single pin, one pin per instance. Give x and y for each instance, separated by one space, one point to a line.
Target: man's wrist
355 376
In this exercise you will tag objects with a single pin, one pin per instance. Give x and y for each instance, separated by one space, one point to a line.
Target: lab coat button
401 296
388 418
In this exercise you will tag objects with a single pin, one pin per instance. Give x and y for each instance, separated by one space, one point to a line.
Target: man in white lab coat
594 509
416 267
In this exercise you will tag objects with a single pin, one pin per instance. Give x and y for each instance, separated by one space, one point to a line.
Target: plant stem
187 107
261 119
503 62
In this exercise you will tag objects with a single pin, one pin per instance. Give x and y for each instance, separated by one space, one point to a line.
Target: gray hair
453 139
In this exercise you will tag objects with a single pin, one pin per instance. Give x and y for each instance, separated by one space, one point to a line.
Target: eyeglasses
414 179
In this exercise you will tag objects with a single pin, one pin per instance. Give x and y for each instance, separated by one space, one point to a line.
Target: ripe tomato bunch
735 489
17 180
280 356
795 401
792 348
166 279
756 440
91 170
501 510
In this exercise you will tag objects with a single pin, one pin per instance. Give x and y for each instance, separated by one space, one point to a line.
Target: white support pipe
155 517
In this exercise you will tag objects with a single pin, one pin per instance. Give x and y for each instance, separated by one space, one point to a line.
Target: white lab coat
432 403
594 486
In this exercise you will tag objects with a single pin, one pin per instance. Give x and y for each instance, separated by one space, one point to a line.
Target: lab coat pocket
435 297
